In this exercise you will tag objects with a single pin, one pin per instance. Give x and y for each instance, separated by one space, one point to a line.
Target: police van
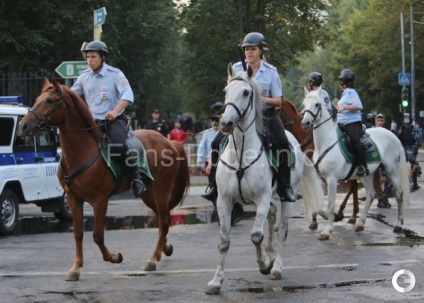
28 167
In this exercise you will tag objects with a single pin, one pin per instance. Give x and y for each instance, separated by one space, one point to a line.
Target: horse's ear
55 83
306 91
230 72
250 71
46 81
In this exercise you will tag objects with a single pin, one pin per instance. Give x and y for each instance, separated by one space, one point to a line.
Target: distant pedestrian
157 124
177 133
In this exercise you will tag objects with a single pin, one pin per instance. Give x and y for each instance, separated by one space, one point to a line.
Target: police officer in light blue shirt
349 115
269 82
107 93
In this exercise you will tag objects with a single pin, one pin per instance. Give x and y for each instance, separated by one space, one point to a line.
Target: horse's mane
257 102
292 107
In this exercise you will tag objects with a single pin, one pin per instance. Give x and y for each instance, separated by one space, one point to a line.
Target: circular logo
409 281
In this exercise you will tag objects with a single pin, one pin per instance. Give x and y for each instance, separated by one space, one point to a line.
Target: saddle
115 166
371 150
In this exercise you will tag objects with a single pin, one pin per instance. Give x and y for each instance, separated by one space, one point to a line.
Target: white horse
244 174
333 166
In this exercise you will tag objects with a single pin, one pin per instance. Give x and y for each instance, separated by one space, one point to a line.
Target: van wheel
9 212
64 213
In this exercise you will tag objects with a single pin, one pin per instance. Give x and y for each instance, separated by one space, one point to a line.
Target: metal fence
27 85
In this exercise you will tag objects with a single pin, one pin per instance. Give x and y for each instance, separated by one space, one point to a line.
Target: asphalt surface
350 267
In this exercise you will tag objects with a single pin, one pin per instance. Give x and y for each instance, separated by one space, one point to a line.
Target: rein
43 123
240 170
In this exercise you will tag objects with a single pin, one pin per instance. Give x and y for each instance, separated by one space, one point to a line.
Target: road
350 267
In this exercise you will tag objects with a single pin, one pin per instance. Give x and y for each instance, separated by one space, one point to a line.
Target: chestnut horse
90 179
291 119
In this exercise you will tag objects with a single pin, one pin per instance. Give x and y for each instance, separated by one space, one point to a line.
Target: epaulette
113 69
270 66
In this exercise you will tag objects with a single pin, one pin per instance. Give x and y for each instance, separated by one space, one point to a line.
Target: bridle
43 123
315 115
240 170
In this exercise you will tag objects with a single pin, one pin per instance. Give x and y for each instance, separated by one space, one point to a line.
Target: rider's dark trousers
354 131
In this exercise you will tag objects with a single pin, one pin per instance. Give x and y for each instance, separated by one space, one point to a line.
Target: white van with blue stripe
28 168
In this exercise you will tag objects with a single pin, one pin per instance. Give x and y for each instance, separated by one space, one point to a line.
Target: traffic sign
99 16
404 78
71 69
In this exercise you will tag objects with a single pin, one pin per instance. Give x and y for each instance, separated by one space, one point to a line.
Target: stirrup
138 187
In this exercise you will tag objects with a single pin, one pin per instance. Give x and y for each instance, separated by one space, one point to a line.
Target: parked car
28 168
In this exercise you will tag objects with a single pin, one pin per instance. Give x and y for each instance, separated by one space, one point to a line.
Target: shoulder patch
326 100
270 66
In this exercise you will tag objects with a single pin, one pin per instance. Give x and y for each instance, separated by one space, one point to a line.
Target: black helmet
254 39
346 76
370 117
315 78
97 46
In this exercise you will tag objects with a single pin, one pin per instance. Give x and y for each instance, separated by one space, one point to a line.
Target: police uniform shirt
159 126
268 80
104 90
349 97
205 146
326 100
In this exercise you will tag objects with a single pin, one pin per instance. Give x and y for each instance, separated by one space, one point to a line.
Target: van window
6 130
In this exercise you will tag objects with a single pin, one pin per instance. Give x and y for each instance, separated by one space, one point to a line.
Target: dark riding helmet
346 76
315 78
96 46
370 117
254 39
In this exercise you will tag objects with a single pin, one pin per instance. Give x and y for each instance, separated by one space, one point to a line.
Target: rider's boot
284 189
211 192
137 185
362 161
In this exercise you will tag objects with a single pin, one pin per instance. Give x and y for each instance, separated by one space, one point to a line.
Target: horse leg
314 223
331 190
340 215
100 209
286 211
273 225
164 221
224 213
397 185
257 236
370 195
77 210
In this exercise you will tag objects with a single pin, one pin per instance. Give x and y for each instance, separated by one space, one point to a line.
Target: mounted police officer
410 136
350 118
107 93
269 82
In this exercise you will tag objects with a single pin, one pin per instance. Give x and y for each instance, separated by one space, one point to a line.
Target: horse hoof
338 218
119 258
73 276
213 290
324 237
275 275
267 270
351 221
359 228
150 265
313 226
168 250
397 230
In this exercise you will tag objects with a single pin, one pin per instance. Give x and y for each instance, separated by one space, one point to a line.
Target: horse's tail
404 177
311 187
182 181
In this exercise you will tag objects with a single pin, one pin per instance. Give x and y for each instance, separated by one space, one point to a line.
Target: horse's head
48 110
312 108
242 101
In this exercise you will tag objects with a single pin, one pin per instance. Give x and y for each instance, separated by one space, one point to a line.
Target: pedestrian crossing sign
404 78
